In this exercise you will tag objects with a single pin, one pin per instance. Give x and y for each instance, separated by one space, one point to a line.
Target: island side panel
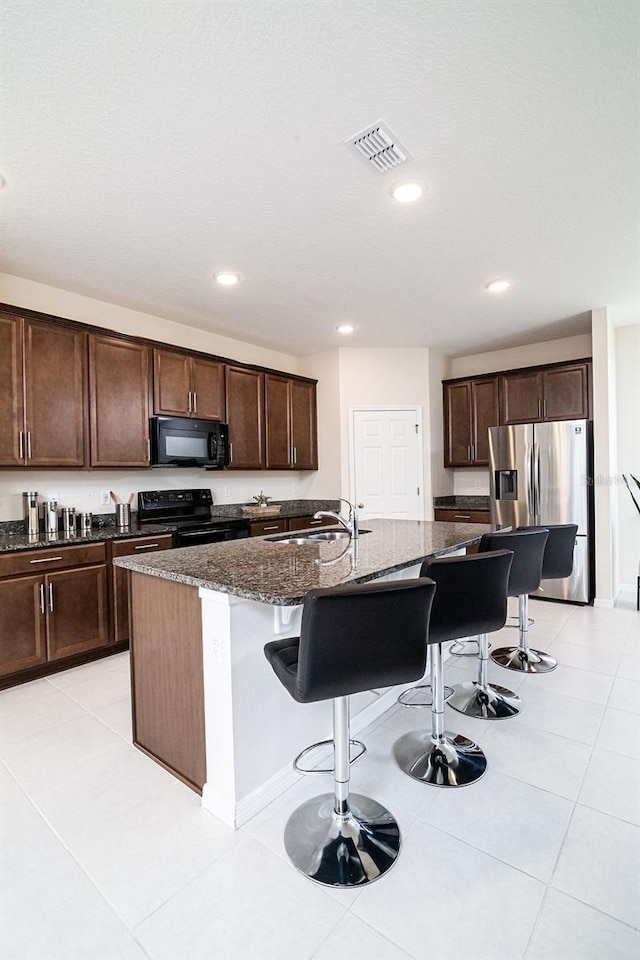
167 678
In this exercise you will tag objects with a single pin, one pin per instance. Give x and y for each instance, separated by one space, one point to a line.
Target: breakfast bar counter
205 702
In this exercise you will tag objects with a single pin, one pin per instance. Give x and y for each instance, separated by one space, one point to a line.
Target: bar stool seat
352 638
470 599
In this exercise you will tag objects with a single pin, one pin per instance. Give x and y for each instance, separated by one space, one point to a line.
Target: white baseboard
605 604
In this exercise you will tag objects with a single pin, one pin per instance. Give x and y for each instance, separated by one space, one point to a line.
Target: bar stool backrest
528 551
557 562
471 594
362 636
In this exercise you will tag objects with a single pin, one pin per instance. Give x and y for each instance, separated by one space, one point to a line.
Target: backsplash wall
82 489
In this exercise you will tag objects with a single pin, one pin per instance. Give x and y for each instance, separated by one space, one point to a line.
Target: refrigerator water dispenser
506 484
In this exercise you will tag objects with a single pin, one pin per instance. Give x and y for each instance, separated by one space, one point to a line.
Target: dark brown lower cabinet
76 611
22 624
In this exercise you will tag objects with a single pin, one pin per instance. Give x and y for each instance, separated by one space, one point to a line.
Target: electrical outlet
104 498
53 495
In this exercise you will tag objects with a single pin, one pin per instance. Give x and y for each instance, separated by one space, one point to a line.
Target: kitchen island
205 702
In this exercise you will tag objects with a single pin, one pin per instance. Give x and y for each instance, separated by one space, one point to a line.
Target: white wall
627 341
474 481
371 377
82 488
605 458
547 351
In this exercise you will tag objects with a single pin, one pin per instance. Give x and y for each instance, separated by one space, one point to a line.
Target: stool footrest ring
427 696
325 743
465 648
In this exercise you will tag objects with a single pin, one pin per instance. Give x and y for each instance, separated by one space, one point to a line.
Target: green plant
262 500
628 486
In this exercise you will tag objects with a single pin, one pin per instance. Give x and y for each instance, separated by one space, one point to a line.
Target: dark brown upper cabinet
119 402
290 414
187 386
245 416
470 408
42 394
559 392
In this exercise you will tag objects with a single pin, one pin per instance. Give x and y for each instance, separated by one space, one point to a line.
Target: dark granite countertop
13 537
263 569
459 502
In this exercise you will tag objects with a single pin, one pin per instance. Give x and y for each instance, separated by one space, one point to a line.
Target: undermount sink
322 536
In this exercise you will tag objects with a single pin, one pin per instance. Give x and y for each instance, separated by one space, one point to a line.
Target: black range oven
190 511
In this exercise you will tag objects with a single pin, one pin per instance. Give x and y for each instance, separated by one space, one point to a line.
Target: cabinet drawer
129 548
41 561
260 528
463 516
304 523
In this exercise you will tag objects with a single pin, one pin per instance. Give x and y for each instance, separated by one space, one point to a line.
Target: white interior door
387 459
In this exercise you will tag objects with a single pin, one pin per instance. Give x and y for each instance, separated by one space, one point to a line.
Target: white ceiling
146 144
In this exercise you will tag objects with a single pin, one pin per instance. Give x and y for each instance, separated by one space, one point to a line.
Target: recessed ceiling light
497 286
345 328
407 192
226 278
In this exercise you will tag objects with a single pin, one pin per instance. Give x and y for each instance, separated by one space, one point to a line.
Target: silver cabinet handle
51 597
21 442
189 402
315 523
148 450
46 560
42 598
29 444
195 402
146 546
272 527
544 407
540 409
230 453
456 517
295 454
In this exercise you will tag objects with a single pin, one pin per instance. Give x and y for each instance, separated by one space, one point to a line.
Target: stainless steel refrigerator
541 473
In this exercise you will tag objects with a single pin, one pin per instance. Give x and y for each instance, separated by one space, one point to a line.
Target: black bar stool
557 561
352 638
462 607
528 547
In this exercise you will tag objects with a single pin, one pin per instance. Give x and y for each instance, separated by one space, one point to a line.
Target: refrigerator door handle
529 479
536 481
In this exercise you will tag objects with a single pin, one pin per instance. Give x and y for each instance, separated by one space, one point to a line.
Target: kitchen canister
123 515
85 520
69 520
31 513
51 516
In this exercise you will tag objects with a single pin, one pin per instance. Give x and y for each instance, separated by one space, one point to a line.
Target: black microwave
182 442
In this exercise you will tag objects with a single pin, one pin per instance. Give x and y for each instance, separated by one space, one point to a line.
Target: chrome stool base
447 761
491 702
326 743
426 696
524 661
342 851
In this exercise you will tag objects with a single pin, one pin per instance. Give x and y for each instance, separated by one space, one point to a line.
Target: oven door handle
189 535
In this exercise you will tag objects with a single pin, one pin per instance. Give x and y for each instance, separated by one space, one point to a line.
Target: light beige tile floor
104 855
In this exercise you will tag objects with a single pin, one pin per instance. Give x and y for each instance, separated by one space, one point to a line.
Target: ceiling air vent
379 148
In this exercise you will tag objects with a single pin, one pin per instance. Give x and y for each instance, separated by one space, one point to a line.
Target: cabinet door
457 424
521 397
119 398
55 380
207 383
485 413
566 393
245 418
171 383
278 447
304 425
12 449
259 528
77 617
22 624
120 578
